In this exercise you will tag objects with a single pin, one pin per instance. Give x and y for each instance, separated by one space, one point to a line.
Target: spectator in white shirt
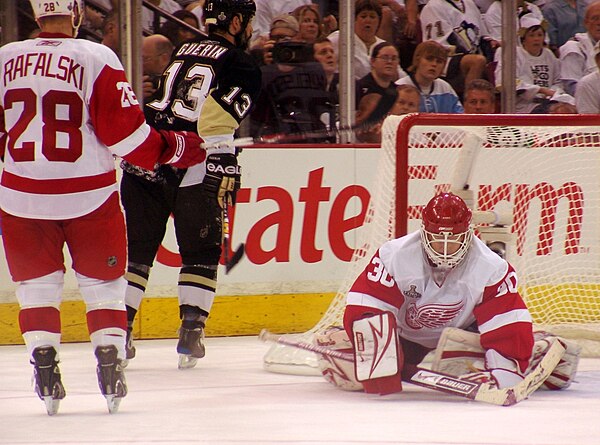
587 95
367 19
577 55
538 69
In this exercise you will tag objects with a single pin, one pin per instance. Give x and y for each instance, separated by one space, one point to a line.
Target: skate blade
113 403
51 405
186 361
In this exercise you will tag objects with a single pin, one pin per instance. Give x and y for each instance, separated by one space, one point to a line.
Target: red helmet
446 229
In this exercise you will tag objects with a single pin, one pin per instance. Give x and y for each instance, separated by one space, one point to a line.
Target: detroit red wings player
442 276
66 108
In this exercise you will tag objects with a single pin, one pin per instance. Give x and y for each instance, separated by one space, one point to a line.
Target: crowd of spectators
447 51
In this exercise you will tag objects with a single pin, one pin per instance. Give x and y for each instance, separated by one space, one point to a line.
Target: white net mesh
534 170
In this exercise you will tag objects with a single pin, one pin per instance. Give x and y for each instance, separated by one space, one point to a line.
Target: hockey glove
183 149
500 372
222 176
564 373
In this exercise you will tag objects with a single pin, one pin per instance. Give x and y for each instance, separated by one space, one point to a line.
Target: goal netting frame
533 182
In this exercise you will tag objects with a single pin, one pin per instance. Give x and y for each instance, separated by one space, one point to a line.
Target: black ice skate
190 346
129 348
48 385
111 378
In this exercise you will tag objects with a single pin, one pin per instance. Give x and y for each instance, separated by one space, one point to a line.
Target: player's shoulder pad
99 52
487 262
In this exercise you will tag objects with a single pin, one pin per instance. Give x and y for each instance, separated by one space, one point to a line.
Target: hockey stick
483 392
280 138
239 252
288 138
477 391
265 335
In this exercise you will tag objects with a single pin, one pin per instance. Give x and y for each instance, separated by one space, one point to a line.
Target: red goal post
533 182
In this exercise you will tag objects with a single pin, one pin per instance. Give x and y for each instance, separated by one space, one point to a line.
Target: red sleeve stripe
58 186
501 320
131 142
360 299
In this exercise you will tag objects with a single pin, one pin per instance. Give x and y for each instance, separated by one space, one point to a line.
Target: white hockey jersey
481 289
65 109
453 23
533 72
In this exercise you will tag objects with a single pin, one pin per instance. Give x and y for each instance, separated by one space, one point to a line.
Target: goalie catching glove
223 176
183 149
500 372
459 353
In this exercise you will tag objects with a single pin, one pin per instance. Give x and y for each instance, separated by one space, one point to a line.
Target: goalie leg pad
336 371
564 373
377 353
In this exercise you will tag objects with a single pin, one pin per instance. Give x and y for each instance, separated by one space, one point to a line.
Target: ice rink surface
229 399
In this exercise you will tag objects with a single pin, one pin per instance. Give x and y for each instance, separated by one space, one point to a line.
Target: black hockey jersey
209 86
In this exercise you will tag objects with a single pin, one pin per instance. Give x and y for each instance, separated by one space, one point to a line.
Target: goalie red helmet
446 230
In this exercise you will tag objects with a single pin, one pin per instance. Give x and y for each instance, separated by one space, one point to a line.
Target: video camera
292 52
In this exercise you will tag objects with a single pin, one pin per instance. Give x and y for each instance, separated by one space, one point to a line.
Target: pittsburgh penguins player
209 86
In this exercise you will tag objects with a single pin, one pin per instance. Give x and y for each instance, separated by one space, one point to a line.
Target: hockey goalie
439 288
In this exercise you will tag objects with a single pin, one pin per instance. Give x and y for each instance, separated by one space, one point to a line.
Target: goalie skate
190 347
111 378
46 374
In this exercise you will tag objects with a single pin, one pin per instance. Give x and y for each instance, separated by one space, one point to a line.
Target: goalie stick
239 252
477 391
265 335
483 392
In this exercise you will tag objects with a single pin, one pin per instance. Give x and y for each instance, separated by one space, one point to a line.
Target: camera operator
294 97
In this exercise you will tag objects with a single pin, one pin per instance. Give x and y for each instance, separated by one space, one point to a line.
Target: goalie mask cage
533 182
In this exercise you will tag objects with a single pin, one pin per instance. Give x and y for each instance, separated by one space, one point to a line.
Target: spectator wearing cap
284 27
493 16
267 11
537 69
587 95
577 55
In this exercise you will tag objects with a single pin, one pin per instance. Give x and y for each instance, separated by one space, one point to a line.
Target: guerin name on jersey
203 49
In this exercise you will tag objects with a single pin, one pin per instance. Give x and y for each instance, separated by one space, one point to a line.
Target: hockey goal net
533 182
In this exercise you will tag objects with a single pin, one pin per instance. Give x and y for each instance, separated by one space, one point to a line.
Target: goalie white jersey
482 289
65 109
